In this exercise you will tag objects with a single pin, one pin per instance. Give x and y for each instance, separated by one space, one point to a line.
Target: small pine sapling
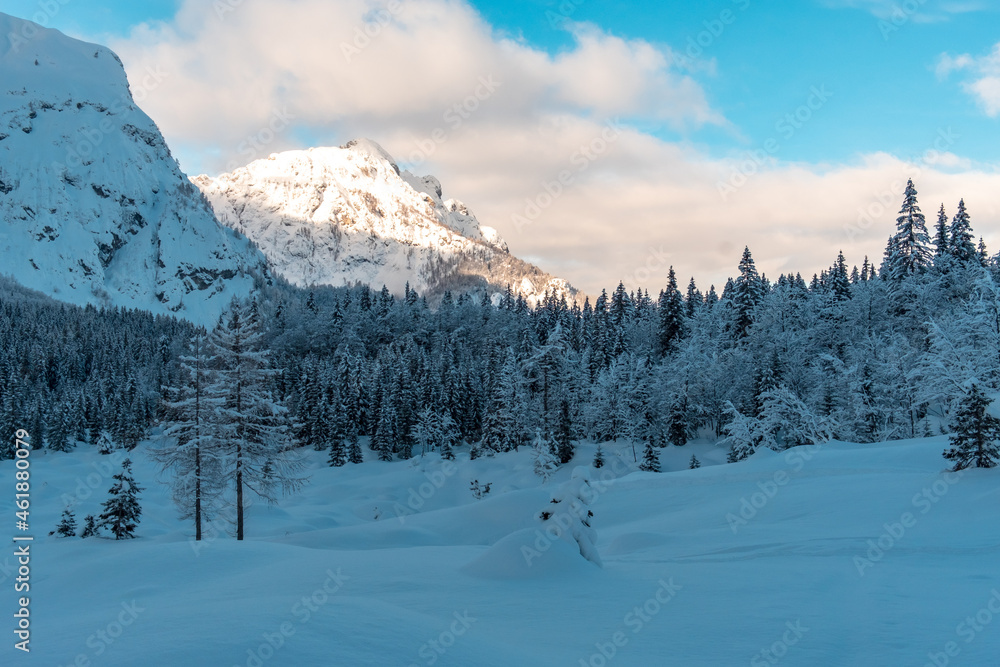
480 492
122 510
89 527
650 458
598 458
67 526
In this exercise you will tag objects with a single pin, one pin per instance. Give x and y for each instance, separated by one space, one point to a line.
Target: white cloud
919 11
983 82
342 66
639 205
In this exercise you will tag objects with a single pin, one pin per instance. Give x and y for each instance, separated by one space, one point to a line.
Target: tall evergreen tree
840 283
677 422
976 432
338 450
908 251
504 422
961 243
620 306
942 246
251 425
59 431
354 453
564 435
671 316
692 300
188 449
747 293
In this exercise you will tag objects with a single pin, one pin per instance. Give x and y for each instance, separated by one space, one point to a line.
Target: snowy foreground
845 555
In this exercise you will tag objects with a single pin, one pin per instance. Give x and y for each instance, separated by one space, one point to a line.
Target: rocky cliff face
93 207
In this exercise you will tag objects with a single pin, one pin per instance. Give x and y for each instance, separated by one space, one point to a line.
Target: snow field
446 581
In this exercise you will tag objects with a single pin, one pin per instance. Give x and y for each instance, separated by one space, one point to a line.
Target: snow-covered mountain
93 207
336 216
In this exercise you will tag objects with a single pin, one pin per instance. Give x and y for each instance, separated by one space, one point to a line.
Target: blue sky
845 97
881 71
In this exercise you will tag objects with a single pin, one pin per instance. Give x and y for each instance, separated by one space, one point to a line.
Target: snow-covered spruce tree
976 432
565 451
251 425
105 444
122 510
435 431
67 525
693 300
335 429
338 452
188 450
569 510
671 325
503 423
677 422
650 458
961 242
59 431
425 431
743 434
89 527
386 435
961 347
748 290
448 436
10 414
598 458
695 463
544 462
908 251
942 246
354 453
840 284
309 406
544 367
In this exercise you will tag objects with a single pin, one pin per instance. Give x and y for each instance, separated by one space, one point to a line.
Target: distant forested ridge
860 352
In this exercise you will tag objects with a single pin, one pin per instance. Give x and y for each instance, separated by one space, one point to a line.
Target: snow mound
531 553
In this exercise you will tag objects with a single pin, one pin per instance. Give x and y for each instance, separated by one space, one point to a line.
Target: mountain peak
372 149
338 216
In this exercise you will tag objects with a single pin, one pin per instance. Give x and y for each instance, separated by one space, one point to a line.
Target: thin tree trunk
197 432
197 494
239 491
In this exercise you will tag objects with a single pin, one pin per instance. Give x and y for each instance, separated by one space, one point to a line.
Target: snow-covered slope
336 216
93 207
